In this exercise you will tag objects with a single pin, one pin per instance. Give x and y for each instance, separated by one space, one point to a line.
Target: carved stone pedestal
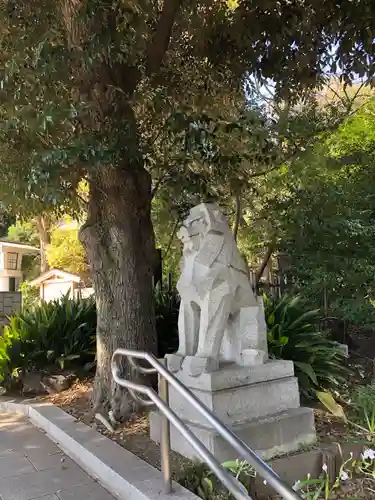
222 355
259 403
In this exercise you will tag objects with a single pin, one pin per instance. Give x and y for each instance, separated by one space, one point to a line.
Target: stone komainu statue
219 316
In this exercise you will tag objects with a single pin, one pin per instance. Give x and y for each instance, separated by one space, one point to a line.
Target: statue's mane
221 229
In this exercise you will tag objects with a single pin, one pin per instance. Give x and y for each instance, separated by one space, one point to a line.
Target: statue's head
202 219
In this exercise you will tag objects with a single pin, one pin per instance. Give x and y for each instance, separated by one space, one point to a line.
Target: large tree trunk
43 227
119 240
118 235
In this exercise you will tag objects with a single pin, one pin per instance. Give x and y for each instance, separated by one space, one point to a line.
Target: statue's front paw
251 357
174 362
195 365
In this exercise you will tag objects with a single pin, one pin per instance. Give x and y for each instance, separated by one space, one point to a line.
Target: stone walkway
33 467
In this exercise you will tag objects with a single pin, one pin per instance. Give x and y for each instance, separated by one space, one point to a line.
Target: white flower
309 476
368 454
344 476
324 467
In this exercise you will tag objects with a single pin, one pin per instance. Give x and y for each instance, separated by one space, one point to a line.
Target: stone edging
124 475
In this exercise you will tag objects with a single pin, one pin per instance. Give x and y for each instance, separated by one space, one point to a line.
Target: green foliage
24 232
322 212
104 90
359 310
197 477
293 334
328 232
363 408
55 133
354 141
66 252
319 209
12 354
326 487
56 332
30 295
27 232
7 218
64 329
242 471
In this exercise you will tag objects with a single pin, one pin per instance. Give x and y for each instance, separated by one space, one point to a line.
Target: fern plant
54 332
294 334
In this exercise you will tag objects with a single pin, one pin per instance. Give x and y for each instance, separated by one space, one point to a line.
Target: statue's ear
210 249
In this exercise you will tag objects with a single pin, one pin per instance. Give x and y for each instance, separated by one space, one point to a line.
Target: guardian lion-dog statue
220 318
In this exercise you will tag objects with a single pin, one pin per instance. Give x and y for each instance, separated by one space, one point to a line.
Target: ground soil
133 435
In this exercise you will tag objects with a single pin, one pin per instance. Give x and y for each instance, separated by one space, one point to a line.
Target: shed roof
55 272
19 245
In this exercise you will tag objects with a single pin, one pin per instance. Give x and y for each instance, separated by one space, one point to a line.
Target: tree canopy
319 211
116 93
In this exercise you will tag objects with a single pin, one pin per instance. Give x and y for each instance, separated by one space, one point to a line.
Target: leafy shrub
198 478
167 305
53 332
30 295
359 310
363 407
12 354
64 330
294 334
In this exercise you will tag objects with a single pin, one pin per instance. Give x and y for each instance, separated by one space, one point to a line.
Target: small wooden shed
55 283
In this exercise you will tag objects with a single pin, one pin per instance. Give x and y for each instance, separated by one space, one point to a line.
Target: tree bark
266 258
43 226
119 241
118 235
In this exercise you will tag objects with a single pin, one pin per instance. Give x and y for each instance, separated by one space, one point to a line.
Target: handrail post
165 434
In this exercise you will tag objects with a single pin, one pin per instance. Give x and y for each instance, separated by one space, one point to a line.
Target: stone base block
237 405
270 436
237 394
231 375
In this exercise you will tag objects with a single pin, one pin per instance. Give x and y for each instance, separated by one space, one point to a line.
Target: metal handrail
161 401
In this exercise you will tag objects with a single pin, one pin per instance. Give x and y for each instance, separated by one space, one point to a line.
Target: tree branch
267 170
270 250
85 202
160 41
157 185
175 227
160 181
43 227
348 101
238 216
